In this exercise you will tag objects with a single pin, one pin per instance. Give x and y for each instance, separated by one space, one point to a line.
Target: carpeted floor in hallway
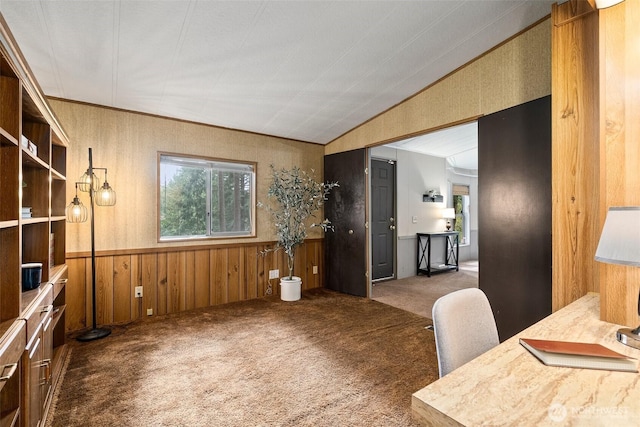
418 293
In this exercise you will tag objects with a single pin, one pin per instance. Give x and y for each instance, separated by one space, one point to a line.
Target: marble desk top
507 386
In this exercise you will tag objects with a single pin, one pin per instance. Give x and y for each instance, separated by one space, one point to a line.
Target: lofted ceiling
458 144
305 70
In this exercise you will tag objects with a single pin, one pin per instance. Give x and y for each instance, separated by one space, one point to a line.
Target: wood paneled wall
575 215
179 279
619 172
596 148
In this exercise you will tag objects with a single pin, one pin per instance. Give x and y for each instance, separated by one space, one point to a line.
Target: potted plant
294 196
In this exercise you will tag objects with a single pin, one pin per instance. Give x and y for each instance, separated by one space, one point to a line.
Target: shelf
31 160
7 139
34 220
55 175
8 224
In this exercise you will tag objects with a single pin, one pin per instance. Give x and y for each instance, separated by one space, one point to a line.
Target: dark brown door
514 214
383 222
345 248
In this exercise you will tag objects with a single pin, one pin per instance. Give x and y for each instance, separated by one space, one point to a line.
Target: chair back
464 328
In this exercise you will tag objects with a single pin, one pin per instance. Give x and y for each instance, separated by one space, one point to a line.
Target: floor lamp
102 195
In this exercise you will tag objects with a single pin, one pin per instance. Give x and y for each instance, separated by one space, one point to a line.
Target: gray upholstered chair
464 328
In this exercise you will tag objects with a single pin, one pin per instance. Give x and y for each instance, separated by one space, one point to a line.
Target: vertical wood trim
201 279
75 296
251 272
149 270
219 276
122 290
162 284
574 152
176 286
190 280
104 290
312 260
233 275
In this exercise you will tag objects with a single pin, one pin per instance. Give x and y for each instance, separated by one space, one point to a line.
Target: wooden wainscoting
179 278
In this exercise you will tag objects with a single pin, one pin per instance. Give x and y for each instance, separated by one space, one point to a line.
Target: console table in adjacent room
451 251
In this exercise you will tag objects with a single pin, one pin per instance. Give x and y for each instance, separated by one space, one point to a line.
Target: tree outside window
202 198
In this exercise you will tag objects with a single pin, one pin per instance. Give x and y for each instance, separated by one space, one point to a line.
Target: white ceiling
458 144
306 70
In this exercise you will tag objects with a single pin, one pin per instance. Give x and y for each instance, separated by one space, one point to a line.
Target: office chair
464 328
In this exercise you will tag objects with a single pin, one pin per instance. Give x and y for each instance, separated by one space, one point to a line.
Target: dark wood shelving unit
33 149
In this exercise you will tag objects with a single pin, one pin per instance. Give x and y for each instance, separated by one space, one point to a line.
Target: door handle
350 231
12 369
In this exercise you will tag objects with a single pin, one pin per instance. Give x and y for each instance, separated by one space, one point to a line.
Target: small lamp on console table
449 214
620 244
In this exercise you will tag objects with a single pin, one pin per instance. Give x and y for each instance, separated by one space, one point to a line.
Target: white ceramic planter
290 289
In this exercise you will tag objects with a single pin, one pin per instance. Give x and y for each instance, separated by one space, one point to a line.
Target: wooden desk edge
428 416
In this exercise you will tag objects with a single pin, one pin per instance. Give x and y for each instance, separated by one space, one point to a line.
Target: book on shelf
25 212
578 355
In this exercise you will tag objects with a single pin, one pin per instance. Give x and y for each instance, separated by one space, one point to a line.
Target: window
204 198
461 206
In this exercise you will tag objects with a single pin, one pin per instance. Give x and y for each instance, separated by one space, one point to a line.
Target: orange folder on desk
578 355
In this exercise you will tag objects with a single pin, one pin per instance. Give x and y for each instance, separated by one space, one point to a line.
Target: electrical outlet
138 291
149 311
274 274
315 269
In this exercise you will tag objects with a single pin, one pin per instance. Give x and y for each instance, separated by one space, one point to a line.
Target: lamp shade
448 213
87 180
620 238
601 4
105 196
76 211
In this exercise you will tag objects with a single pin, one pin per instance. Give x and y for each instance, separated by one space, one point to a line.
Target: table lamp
620 244
448 214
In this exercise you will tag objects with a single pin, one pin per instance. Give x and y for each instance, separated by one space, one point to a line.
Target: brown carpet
418 293
326 360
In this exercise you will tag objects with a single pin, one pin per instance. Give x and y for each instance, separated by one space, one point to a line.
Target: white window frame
210 165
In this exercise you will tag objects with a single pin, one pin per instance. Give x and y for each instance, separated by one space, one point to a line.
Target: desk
451 250
507 386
